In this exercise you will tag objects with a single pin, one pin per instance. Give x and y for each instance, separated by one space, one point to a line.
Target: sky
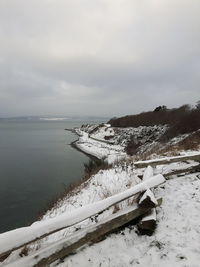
98 57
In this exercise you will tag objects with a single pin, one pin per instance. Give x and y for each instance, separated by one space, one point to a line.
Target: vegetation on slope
161 116
182 120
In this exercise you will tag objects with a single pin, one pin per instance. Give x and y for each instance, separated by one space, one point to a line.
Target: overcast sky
98 57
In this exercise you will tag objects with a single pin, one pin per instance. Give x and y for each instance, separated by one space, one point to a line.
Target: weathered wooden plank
147 224
142 164
68 246
192 169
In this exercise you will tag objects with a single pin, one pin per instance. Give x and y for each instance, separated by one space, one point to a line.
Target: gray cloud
101 57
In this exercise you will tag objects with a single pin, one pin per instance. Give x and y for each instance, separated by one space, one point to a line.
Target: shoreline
96 148
72 186
75 146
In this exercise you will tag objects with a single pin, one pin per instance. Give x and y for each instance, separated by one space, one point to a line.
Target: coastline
75 146
96 149
72 188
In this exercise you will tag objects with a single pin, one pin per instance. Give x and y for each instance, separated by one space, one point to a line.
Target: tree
160 108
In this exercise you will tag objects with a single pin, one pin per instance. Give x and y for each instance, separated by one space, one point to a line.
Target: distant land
56 118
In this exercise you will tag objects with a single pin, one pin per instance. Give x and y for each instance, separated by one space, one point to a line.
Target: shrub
180 120
90 168
162 117
188 123
132 147
93 166
108 137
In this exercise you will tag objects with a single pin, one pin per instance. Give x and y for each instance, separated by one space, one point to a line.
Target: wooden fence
143 164
15 239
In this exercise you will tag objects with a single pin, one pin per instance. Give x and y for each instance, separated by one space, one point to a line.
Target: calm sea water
36 161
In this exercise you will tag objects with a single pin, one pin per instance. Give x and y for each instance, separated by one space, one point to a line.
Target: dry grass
182 120
24 252
191 142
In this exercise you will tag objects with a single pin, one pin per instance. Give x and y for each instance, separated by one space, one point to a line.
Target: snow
100 150
103 132
190 153
146 137
148 173
182 165
150 216
100 186
114 149
120 136
93 141
56 246
149 194
175 242
105 183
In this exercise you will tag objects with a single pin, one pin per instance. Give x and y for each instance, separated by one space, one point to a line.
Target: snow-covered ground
176 241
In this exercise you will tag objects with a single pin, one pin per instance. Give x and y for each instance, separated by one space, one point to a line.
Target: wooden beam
142 164
147 224
193 169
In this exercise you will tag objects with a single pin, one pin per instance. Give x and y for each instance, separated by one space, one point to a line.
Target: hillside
180 120
180 128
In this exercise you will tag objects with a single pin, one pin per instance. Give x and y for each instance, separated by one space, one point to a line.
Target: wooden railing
89 235
19 238
143 164
15 239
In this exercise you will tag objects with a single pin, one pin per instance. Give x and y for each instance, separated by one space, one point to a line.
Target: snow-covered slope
175 242
143 142
120 136
105 142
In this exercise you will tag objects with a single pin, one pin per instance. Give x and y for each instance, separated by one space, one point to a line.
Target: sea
37 163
